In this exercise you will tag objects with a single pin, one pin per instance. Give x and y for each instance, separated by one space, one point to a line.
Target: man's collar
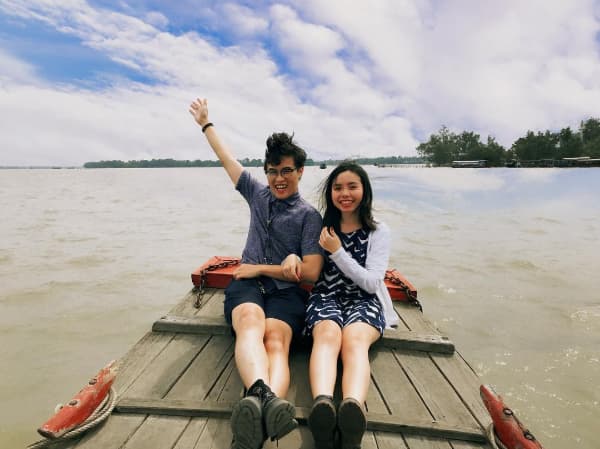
289 201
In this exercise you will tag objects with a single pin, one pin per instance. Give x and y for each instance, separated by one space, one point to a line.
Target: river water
505 261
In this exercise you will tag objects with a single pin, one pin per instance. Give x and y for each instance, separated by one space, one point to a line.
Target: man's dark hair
280 145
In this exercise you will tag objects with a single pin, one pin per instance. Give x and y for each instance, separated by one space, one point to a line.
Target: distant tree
536 146
440 149
590 136
569 144
468 147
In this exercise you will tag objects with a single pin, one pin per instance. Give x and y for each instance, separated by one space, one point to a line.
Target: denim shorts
287 305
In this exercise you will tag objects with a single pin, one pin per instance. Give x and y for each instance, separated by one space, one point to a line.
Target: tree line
445 147
442 149
246 162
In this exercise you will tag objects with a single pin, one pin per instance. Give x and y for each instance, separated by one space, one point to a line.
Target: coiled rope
98 416
493 438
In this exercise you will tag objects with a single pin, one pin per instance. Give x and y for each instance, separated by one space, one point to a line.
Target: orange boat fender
507 428
83 404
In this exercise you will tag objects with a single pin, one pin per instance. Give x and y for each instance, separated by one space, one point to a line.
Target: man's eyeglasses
284 172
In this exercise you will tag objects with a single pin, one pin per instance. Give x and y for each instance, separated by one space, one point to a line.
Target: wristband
208 125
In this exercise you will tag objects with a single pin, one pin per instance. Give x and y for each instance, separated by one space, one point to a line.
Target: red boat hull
218 272
83 404
509 430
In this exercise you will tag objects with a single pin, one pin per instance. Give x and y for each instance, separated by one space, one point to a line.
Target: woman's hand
199 110
329 240
246 271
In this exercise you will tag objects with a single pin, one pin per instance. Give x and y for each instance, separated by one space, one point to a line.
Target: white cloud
157 19
242 21
363 78
14 70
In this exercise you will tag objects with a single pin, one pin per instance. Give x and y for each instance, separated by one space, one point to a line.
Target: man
264 303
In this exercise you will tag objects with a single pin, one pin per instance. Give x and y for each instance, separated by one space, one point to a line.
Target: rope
98 416
493 438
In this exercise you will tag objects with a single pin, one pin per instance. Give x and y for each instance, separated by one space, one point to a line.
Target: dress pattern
336 297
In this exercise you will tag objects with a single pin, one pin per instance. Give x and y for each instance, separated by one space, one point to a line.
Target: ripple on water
521 264
90 260
5 258
588 317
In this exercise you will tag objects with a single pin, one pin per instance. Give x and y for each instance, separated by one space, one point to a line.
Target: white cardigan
370 277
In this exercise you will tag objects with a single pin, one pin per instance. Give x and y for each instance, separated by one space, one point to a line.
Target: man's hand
291 268
199 110
246 271
329 240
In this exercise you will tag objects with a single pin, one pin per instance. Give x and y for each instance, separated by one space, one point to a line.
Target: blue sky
110 79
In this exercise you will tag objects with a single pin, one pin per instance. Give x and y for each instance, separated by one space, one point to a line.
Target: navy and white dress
336 297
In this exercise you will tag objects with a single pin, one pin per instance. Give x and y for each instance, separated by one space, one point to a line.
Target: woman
349 306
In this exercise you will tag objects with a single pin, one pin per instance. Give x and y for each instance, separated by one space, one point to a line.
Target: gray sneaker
247 424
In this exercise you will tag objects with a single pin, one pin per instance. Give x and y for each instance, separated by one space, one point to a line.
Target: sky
112 79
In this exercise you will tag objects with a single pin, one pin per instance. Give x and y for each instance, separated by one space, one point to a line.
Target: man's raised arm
199 110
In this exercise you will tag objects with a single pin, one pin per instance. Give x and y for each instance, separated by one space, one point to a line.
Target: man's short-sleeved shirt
278 227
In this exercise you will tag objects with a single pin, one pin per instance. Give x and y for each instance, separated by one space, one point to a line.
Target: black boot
247 424
322 422
278 414
352 423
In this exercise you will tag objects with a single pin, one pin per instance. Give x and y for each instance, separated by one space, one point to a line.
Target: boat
470 164
323 165
176 386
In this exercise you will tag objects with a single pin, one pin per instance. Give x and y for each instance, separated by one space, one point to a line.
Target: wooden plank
213 306
413 318
470 445
113 434
191 435
377 421
437 429
204 372
395 387
192 325
410 340
391 338
422 442
185 307
440 398
386 440
162 373
466 384
299 392
191 379
138 358
118 429
202 432
158 432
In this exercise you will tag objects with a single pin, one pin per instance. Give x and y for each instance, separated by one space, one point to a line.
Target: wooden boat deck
177 385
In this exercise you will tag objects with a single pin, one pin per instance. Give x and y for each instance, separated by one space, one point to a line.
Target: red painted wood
83 404
221 277
508 428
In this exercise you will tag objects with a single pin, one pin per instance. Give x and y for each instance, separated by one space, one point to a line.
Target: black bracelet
208 125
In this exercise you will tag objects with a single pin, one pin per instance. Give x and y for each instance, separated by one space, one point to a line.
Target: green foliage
446 146
246 162
442 149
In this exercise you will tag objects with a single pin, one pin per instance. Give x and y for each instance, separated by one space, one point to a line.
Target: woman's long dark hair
331 214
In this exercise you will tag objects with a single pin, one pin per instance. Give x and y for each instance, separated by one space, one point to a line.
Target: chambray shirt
278 227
